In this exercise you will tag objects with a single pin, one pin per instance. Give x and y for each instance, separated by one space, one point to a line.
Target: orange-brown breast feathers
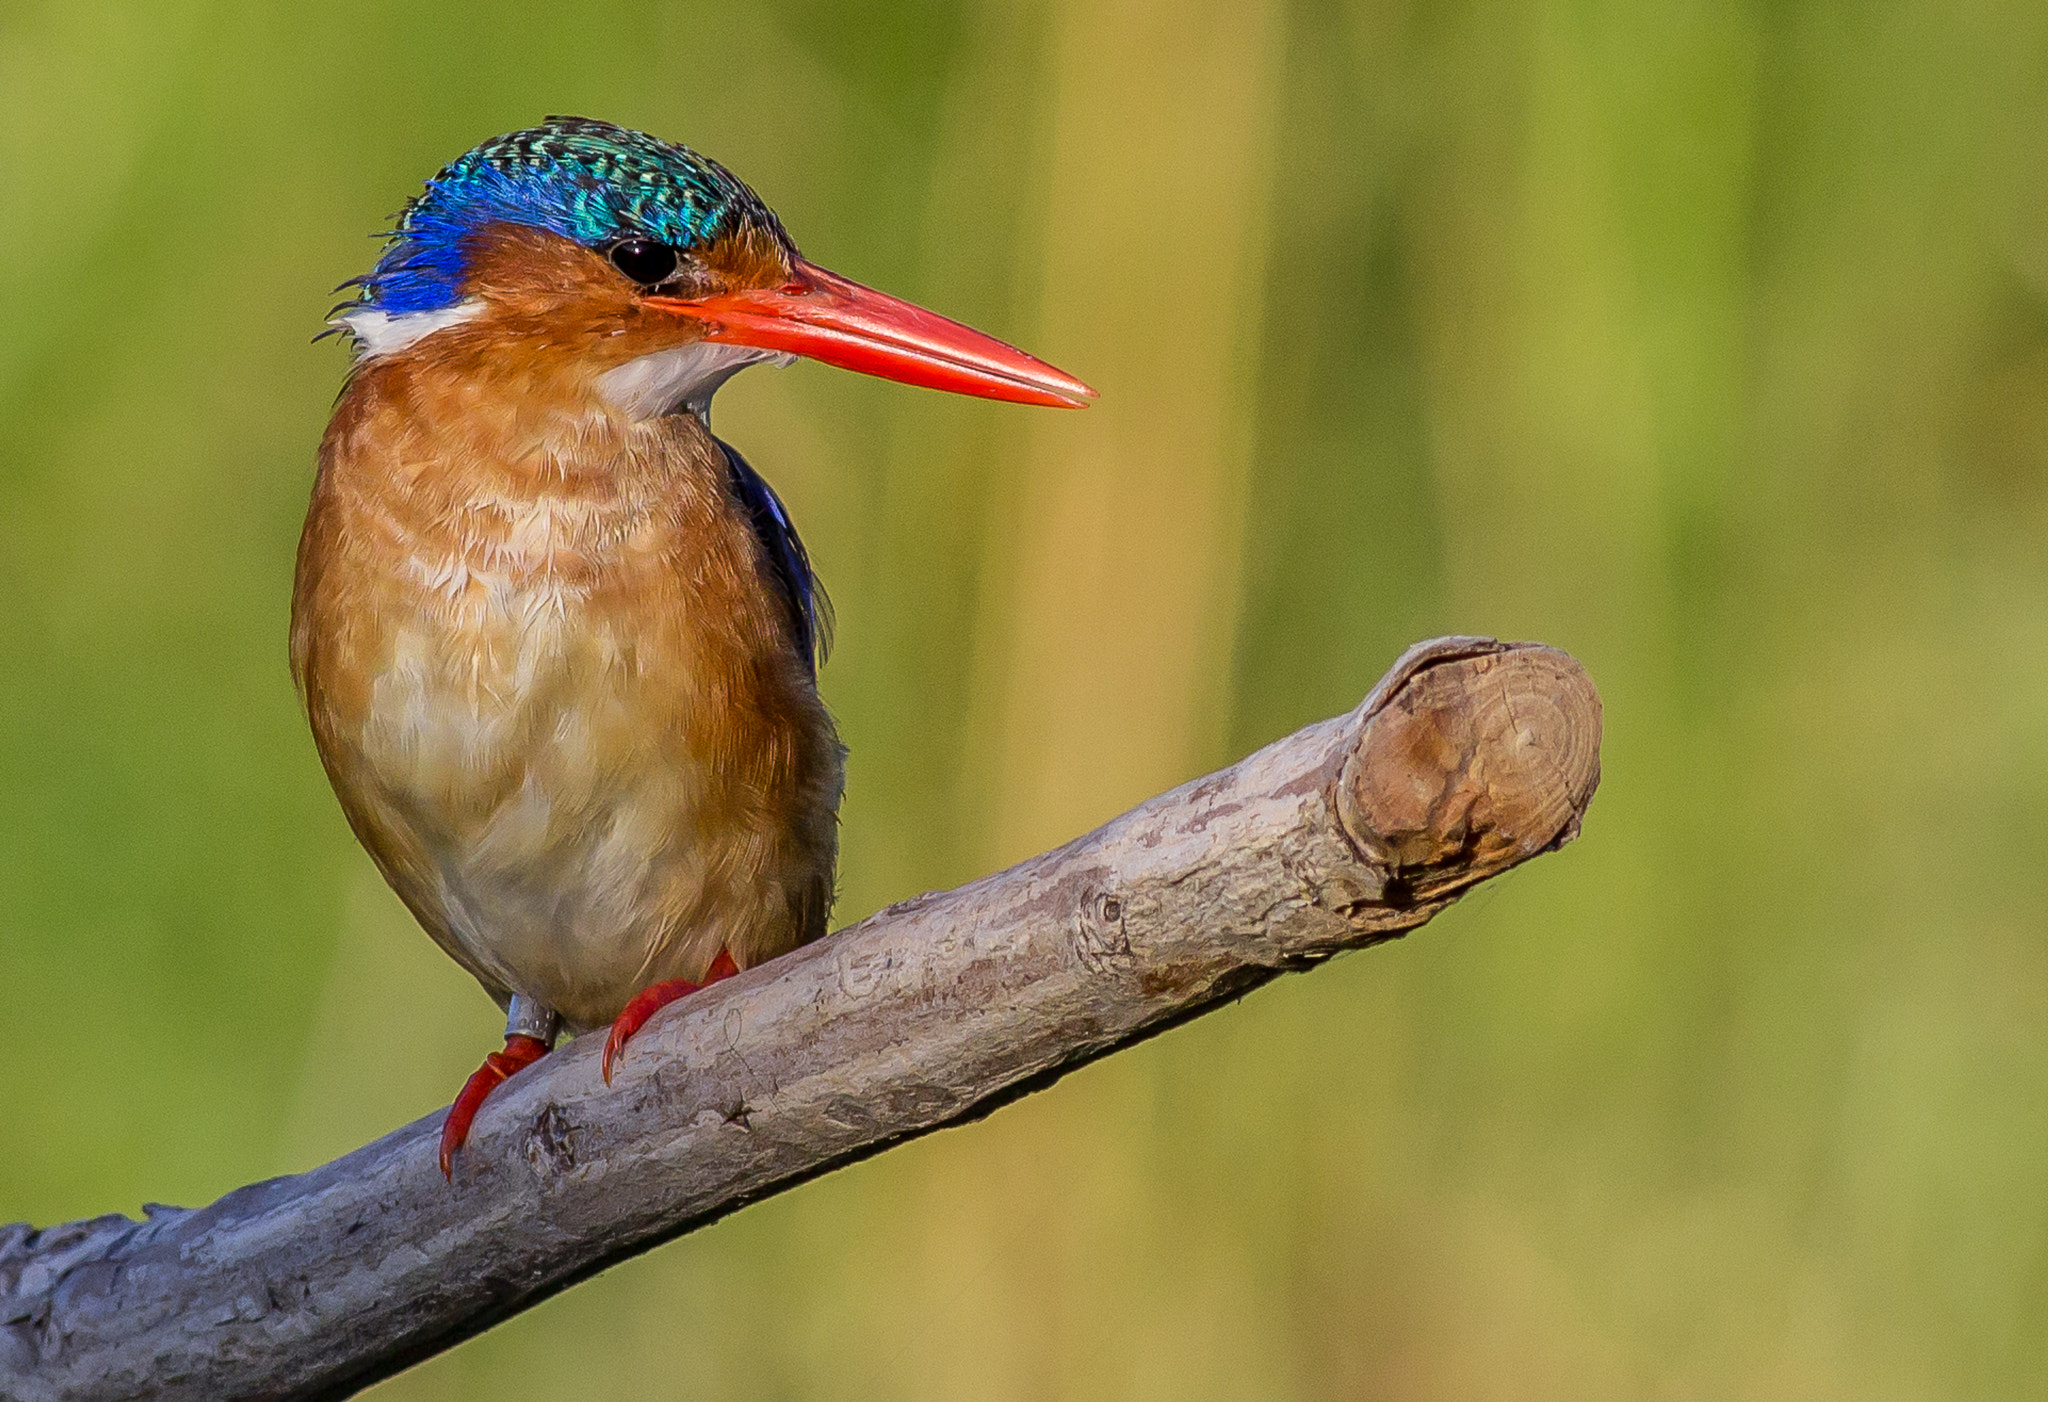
549 677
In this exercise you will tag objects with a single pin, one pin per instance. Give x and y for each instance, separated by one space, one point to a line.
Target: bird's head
655 271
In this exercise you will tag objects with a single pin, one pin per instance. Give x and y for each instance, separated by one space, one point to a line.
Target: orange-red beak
827 317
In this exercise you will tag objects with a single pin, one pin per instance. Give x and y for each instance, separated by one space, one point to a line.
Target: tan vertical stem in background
1107 644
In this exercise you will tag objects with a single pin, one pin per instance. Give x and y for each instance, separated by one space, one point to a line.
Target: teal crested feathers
586 180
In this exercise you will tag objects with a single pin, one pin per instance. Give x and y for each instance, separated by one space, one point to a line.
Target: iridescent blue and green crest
584 179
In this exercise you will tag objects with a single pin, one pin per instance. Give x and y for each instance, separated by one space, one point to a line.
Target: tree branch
1469 757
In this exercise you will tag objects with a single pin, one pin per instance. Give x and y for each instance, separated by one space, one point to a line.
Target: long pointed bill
827 317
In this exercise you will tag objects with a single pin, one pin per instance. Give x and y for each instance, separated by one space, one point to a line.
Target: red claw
651 1000
520 1053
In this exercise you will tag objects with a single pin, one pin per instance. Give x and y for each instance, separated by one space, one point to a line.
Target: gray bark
1469 757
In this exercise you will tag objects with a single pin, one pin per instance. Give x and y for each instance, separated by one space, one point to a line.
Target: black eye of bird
644 260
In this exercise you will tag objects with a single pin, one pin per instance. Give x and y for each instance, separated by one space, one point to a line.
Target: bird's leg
530 1029
652 999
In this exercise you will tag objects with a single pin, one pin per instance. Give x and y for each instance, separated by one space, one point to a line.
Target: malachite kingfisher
558 643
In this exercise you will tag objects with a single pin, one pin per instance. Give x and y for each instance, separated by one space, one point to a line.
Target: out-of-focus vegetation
1708 340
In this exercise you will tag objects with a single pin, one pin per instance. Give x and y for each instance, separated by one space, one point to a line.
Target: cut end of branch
1473 755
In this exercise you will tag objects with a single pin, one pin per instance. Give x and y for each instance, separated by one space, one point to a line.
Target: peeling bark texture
1469 757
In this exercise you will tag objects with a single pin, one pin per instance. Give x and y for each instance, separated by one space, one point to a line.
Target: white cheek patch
681 377
660 383
380 333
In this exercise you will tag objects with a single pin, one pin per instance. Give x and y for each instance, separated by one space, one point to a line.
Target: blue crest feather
584 179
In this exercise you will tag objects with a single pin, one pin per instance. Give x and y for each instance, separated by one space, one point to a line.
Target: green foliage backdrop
1705 338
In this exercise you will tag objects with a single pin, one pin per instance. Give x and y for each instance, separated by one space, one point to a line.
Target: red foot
519 1053
651 1000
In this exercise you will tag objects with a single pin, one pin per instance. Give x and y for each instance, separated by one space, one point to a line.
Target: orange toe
651 1000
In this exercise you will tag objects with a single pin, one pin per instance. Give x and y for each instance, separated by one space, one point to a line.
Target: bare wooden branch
1469 757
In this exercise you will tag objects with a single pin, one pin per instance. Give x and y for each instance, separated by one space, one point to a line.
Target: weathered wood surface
1469 757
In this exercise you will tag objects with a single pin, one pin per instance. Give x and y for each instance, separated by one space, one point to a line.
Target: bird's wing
810 612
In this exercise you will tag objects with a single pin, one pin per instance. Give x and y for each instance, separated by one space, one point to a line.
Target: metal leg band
528 1017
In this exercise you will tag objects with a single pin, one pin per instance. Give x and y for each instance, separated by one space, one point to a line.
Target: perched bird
557 642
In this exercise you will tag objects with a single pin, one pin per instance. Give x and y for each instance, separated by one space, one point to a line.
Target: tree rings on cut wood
1474 755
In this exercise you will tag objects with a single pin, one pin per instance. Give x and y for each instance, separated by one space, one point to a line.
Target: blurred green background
1706 339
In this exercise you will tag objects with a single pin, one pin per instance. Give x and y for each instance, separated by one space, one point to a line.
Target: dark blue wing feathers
789 564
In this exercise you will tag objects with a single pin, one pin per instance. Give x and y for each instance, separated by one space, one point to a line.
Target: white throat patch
380 333
684 377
